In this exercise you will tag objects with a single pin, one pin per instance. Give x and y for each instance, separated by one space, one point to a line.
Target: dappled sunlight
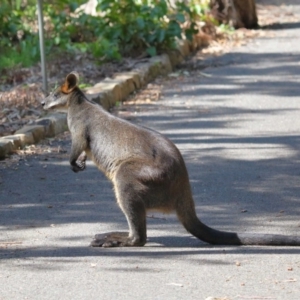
178 248
246 73
257 152
273 185
238 132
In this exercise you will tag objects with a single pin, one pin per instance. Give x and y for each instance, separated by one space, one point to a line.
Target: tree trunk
238 13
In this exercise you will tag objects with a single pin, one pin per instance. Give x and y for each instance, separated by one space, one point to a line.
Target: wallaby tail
192 224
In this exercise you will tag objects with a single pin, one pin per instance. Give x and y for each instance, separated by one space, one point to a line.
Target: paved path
237 126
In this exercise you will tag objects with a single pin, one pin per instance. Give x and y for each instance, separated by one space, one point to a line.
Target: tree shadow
243 73
277 2
62 197
281 26
240 192
167 247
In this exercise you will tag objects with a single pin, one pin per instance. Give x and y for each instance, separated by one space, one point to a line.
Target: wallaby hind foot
115 239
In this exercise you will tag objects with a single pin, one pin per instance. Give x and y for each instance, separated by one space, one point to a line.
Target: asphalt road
237 124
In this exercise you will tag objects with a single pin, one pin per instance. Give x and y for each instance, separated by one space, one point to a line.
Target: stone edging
107 93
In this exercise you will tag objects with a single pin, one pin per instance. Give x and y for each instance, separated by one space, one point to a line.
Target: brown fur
146 169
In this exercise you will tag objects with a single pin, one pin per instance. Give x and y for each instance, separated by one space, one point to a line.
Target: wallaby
146 169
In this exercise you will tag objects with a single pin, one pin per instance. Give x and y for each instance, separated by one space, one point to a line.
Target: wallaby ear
71 82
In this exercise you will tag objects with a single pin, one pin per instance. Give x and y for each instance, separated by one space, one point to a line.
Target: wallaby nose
43 103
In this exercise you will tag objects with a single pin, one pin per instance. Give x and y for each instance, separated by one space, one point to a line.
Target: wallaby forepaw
78 166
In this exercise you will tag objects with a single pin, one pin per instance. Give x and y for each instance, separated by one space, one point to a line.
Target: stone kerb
30 134
112 90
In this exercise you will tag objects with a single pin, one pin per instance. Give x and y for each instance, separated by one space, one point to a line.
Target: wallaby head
59 99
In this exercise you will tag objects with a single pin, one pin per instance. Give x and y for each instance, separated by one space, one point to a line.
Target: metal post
42 44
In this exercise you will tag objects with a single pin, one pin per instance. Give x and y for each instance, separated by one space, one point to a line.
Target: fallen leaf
217 298
175 284
290 280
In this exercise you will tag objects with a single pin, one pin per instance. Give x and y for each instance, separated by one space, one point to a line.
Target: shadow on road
35 196
281 26
155 252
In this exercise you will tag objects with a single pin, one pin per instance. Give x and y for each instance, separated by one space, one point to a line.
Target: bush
135 26
19 46
122 28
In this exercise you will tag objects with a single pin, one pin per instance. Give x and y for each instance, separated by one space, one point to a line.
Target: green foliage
134 26
19 46
121 28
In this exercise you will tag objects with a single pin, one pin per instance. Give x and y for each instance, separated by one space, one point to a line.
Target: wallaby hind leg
128 192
